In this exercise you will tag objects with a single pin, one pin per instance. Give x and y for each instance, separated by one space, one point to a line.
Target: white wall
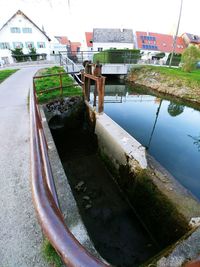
56 46
107 46
36 36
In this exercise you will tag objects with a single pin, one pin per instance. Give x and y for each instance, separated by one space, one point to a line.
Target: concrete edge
121 148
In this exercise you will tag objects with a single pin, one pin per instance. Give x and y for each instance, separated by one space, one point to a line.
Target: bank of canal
170 130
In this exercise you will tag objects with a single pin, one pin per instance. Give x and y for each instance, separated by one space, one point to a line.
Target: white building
104 39
20 32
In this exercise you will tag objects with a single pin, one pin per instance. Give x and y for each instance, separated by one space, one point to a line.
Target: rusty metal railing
45 199
60 87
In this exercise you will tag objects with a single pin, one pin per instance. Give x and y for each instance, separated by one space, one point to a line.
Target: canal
170 130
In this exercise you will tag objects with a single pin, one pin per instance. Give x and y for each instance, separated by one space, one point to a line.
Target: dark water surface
169 130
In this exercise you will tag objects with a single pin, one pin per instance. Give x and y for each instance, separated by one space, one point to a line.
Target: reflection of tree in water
196 141
175 109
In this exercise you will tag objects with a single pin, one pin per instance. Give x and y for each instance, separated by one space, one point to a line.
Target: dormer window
194 37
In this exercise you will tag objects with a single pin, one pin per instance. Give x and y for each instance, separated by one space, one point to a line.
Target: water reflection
175 109
164 127
196 141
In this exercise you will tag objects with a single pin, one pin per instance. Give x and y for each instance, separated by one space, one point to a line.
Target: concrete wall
167 209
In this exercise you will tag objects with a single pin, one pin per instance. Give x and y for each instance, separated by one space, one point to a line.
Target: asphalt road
20 234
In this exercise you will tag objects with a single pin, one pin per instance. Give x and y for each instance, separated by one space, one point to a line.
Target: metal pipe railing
45 199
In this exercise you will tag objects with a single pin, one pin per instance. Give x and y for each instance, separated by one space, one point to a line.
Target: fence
60 87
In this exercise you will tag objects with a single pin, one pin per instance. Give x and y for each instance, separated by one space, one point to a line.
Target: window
29 44
17 45
4 46
100 49
41 44
15 30
26 30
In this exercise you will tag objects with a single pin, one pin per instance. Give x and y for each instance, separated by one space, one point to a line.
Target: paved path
20 234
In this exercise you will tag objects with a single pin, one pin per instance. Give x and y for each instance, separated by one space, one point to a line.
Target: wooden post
61 86
100 87
95 94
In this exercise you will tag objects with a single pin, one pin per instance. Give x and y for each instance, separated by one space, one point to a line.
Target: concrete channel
117 200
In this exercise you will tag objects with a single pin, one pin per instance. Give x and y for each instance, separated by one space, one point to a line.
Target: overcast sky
84 15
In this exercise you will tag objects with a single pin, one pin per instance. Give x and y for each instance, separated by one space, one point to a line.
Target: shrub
190 57
118 56
33 53
18 54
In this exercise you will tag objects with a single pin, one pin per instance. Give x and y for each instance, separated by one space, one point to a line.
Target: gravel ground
20 234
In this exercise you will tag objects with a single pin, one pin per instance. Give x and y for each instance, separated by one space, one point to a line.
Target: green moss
50 254
158 213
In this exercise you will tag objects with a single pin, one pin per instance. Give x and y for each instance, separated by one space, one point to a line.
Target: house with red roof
89 40
150 41
62 43
191 39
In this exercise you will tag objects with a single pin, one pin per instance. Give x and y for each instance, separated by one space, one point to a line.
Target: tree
189 58
18 54
33 53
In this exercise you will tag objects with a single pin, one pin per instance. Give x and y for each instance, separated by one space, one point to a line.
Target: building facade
20 32
104 39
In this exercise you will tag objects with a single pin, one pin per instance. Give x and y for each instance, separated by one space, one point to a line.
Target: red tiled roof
62 40
161 42
74 46
89 37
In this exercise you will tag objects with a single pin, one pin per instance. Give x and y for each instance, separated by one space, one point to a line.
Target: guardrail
46 202
60 87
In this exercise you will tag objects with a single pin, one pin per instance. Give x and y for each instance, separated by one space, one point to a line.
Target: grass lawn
190 78
5 74
49 82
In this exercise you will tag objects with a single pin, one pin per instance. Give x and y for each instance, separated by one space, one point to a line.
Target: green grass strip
5 74
50 82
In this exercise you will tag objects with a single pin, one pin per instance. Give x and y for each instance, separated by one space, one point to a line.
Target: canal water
170 130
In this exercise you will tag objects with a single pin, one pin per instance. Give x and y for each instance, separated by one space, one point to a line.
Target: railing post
61 85
60 59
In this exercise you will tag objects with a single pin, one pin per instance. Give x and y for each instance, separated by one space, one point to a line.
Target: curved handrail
45 201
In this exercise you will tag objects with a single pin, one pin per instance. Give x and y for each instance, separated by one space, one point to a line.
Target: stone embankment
165 84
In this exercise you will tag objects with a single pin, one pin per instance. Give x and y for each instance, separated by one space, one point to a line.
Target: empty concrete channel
129 222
